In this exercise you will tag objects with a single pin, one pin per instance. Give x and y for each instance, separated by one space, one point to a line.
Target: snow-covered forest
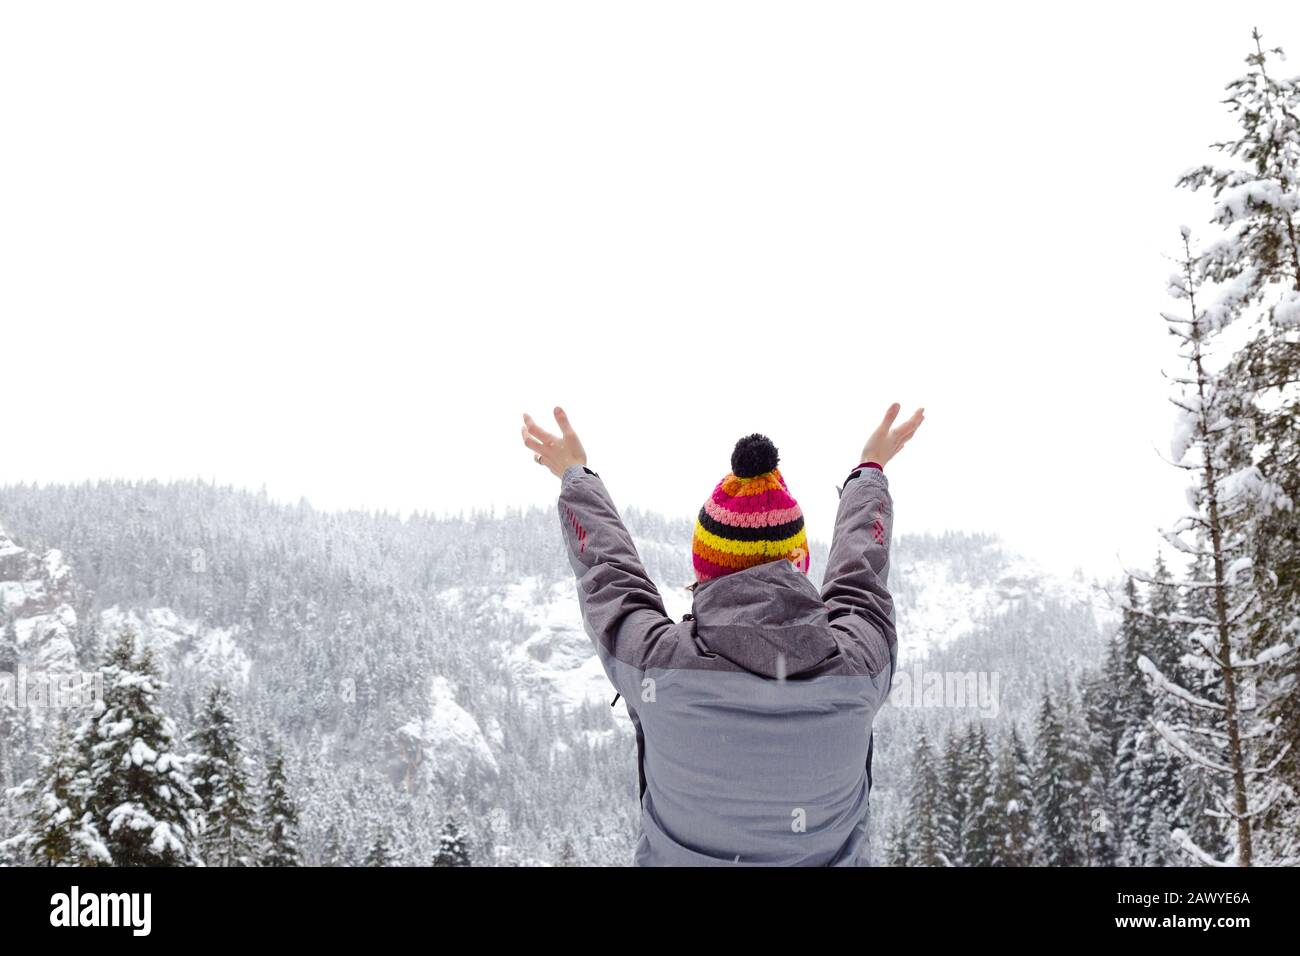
282 685
345 688
1179 743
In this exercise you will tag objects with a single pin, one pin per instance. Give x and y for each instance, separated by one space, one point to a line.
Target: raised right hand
886 442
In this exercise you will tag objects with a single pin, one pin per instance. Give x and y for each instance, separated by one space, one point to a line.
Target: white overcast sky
336 248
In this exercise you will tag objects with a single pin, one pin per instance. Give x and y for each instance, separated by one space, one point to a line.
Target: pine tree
982 834
9 652
1015 802
1160 846
568 856
381 853
332 854
1145 776
1096 735
1160 795
926 843
1132 714
59 831
1254 454
1056 792
137 790
1204 794
1166 640
279 817
897 850
952 810
218 770
452 847
1222 734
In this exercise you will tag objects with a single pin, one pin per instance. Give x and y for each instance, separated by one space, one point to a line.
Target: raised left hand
556 452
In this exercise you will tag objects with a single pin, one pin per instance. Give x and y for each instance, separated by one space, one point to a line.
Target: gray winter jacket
753 713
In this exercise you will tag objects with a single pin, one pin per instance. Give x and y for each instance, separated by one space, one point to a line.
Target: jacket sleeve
857 570
621 608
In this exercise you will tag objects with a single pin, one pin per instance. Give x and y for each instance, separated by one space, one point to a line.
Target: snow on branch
1178 544
1184 843
1286 313
1267 656
1187 750
1162 683
1258 771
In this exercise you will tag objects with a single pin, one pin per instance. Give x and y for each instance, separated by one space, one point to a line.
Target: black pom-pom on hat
753 455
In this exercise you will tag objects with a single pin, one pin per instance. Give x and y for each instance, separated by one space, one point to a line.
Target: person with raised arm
753 713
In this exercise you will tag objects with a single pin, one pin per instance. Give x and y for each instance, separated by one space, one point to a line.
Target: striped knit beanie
750 518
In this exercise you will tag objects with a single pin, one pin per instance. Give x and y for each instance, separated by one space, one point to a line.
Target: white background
336 249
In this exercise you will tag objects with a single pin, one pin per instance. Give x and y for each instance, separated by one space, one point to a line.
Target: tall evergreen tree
1015 803
952 809
982 833
1145 777
1204 794
59 830
1162 795
137 791
1255 265
1095 736
219 772
279 816
453 849
898 851
924 808
381 850
332 853
1222 734
1057 800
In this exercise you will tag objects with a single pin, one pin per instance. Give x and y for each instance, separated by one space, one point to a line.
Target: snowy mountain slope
963 587
471 680
36 595
553 656
448 741
939 600
212 654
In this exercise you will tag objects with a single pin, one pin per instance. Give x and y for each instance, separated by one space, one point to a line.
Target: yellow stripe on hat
730 546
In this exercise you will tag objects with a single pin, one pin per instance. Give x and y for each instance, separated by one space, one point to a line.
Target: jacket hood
768 619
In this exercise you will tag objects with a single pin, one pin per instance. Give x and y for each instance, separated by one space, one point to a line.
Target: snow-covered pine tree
1203 794
568 855
926 842
1257 260
982 830
1146 778
1160 842
452 846
219 771
1225 733
59 830
1094 735
1015 803
332 853
1132 714
381 853
1161 793
1057 797
898 851
279 816
952 810
137 791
